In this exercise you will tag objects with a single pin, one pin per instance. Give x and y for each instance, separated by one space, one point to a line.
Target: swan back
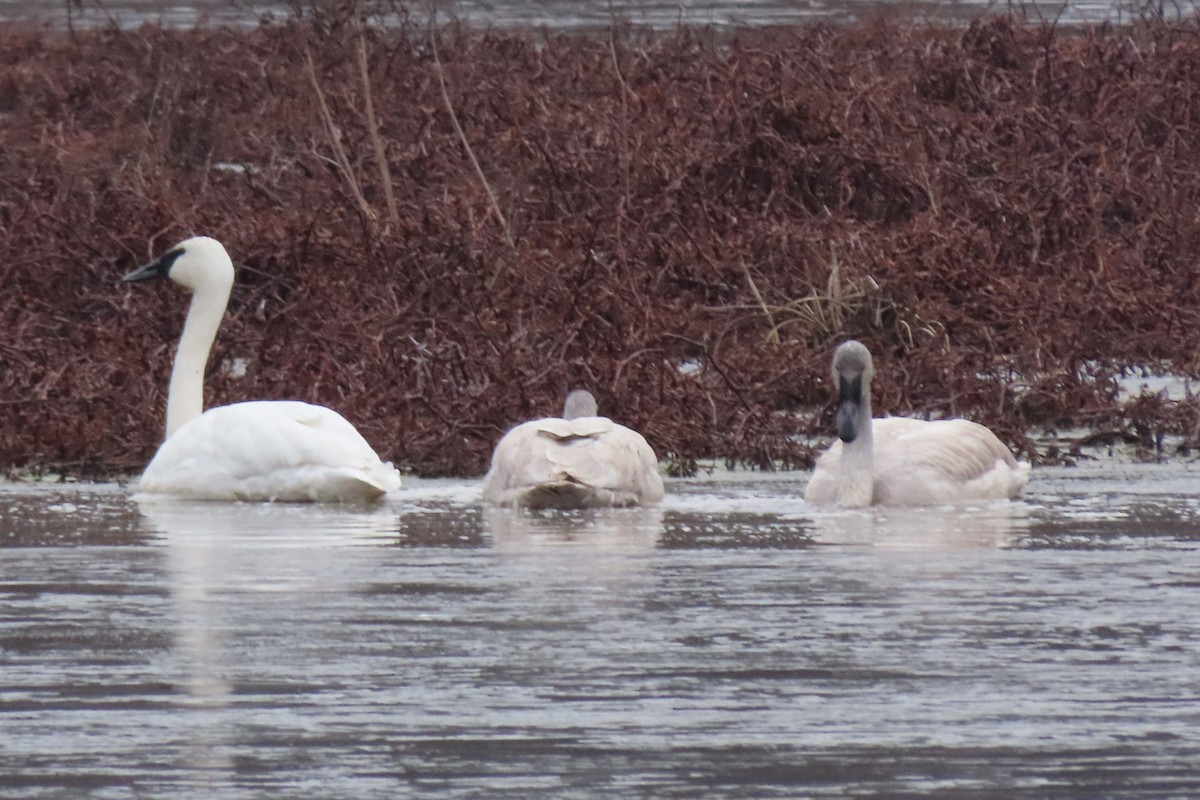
920 463
278 450
901 461
576 461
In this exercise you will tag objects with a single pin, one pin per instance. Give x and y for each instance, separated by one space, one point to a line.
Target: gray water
731 643
577 14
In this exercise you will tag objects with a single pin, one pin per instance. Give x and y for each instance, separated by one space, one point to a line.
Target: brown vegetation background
1007 214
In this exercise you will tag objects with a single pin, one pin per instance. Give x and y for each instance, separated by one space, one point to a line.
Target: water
731 643
517 14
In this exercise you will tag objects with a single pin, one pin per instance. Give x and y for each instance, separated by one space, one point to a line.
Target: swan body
579 460
256 451
899 461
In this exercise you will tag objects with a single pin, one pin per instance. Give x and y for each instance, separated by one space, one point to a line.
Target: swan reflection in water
987 524
603 529
243 579
228 562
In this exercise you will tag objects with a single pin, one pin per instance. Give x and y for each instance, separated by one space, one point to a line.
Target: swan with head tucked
579 460
905 462
265 450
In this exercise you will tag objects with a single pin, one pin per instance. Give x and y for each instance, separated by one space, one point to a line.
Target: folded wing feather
606 464
276 450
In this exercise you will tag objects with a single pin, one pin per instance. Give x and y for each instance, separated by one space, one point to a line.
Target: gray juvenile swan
905 462
265 450
580 460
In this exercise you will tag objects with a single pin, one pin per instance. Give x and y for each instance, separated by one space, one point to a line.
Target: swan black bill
155 269
847 420
849 406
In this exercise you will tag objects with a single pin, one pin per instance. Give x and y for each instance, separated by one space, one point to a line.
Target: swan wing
588 461
519 460
917 462
269 450
944 461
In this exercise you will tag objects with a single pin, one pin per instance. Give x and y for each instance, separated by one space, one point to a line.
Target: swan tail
1019 479
357 486
569 494
587 462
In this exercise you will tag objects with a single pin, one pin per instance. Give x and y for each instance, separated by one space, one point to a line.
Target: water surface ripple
732 643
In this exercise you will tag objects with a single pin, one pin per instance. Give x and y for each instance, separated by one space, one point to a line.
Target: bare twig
339 152
377 143
773 335
625 155
462 137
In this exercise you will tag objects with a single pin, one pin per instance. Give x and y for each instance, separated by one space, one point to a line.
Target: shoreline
1071 450
1101 460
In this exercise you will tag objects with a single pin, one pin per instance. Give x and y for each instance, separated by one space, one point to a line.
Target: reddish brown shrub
1006 214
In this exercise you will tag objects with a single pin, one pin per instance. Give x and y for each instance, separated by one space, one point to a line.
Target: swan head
196 263
580 403
852 373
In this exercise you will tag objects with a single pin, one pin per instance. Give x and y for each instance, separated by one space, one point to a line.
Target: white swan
905 462
577 461
267 450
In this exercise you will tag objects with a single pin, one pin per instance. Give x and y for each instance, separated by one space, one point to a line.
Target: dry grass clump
438 242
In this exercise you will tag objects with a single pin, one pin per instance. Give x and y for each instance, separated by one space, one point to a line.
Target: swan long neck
862 449
185 398
858 457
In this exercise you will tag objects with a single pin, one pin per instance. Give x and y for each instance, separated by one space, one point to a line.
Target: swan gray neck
580 403
853 370
185 398
855 428
852 373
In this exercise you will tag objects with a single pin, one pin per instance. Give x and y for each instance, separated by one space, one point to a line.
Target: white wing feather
917 462
583 462
269 450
